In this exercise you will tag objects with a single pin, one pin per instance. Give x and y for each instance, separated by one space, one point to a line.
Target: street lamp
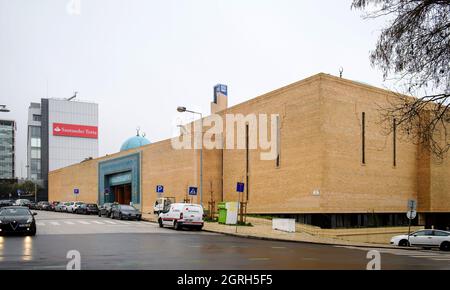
3 108
183 110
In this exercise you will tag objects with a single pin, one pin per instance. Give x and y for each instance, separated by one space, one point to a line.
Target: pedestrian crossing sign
192 190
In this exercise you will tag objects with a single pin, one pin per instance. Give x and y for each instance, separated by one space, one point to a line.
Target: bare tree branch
415 48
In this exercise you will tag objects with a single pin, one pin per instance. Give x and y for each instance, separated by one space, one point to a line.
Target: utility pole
35 192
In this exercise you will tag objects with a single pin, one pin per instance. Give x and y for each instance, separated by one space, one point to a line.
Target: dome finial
137 130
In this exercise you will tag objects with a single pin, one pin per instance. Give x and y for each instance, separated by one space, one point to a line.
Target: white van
182 215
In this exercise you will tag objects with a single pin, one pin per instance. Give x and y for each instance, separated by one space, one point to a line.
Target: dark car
6 202
123 211
43 205
17 220
52 206
105 209
87 208
32 205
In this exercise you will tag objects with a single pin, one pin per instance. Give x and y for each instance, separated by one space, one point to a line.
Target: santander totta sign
72 130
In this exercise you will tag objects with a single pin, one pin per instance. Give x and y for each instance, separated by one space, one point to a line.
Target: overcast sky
140 59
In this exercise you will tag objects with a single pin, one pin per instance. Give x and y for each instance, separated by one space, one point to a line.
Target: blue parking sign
76 191
240 187
159 188
192 190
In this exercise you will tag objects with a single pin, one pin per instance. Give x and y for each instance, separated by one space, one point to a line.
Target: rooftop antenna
341 70
73 97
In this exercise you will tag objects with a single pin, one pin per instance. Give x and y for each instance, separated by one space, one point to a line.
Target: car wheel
177 226
403 243
160 223
120 216
445 246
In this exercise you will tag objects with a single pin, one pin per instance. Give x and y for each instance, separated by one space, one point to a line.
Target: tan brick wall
320 149
350 185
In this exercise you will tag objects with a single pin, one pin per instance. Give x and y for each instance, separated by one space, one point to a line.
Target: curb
305 242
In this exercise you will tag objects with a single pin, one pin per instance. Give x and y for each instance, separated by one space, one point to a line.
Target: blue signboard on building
219 88
240 187
76 191
192 190
159 188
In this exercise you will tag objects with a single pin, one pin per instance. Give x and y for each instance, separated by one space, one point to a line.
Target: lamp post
182 110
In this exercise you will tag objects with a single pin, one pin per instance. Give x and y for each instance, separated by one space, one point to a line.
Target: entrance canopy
121 177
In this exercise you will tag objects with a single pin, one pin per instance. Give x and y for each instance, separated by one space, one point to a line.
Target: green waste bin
221 207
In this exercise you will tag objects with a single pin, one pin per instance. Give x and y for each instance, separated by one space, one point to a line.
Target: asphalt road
111 244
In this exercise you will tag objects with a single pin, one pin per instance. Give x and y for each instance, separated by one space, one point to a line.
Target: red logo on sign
72 130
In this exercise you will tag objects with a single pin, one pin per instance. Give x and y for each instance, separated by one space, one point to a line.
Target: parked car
87 208
6 202
182 215
70 206
53 205
61 207
22 202
43 205
17 219
32 205
425 239
161 203
123 211
105 209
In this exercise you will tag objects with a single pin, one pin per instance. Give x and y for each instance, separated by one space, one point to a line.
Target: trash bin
221 207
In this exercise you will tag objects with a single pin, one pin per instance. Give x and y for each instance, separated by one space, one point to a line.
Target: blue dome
134 142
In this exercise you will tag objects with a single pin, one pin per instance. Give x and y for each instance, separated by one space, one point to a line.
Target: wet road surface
110 244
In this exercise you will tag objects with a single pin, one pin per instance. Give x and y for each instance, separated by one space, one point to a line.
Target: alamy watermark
375 260
233 131
74 260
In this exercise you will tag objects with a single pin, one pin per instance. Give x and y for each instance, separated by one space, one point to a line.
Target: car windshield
127 207
14 212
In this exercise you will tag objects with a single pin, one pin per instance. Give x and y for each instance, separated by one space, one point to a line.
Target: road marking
84 222
278 247
40 224
441 259
55 223
110 222
97 222
424 256
69 223
123 223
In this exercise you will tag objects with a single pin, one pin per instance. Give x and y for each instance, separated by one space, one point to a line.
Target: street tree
414 49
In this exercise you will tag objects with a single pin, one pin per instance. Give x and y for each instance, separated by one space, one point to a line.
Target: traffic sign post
239 188
76 191
160 190
192 191
411 214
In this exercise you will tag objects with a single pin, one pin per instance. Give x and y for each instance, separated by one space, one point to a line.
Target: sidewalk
262 229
